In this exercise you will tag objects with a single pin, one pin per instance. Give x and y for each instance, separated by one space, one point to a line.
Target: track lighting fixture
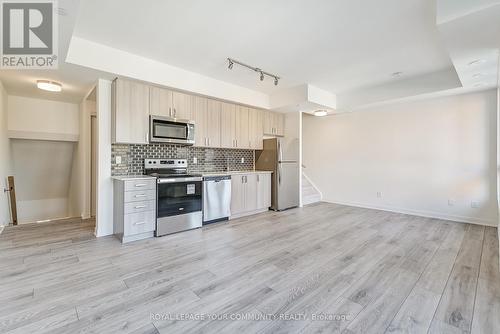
262 73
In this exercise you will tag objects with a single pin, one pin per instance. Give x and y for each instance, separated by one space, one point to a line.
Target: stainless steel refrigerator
282 158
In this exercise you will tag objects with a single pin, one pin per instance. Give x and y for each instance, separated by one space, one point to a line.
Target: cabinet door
279 124
161 102
237 194
228 125
242 127
182 105
130 120
213 123
263 191
199 117
251 192
255 128
268 122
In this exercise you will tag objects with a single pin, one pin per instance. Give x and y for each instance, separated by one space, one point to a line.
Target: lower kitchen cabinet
134 211
250 193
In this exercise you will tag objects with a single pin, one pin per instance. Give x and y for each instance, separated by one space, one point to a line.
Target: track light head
275 81
230 66
261 76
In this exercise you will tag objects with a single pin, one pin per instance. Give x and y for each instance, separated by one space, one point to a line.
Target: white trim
15 134
421 213
313 185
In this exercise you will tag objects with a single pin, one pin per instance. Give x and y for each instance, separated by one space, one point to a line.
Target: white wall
42 171
5 161
104 215
418 155
79 193
43 135
42 118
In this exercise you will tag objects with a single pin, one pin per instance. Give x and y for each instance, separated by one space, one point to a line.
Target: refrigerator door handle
279 174
280 152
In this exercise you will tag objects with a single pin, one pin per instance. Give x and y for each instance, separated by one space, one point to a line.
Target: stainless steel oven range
179 196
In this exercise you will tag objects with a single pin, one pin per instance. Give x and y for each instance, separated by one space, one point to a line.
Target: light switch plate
118 159
242 160
195 160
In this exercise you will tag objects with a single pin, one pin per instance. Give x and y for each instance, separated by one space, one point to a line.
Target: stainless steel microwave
171 130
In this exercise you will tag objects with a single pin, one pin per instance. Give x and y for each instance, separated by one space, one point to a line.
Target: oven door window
178 198
169 130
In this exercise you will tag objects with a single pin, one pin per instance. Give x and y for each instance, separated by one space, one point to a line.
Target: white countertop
237 172
132 177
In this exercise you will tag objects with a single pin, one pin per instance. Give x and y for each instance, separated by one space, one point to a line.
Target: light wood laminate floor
365 270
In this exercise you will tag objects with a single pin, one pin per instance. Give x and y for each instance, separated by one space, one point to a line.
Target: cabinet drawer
137 223
141 206
132 185
139 195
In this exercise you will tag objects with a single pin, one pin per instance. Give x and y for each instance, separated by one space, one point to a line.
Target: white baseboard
421 213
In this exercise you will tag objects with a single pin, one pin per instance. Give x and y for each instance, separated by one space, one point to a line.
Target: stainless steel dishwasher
216 198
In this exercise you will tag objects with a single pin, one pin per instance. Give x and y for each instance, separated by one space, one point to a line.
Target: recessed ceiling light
396 74
476 62
320 113
50 86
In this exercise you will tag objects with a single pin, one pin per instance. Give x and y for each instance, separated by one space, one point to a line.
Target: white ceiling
334 45
349 48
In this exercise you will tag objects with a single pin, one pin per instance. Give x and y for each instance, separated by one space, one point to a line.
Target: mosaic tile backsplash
209 159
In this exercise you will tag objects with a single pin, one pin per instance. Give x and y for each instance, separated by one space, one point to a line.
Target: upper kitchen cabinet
130 112
172 104
274 123
182 105
161 102
228 125
206 115
242 128
256 130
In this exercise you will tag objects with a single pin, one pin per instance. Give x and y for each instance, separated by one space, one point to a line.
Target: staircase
310 194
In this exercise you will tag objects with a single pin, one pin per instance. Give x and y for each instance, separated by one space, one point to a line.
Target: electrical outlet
242 160
474 205
195 160
379 194
451 202
118 159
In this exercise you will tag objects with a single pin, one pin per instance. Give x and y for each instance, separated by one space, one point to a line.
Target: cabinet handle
236 142
208 141
141 185
175 113
140 195
139 223
170 111
140 206
258 178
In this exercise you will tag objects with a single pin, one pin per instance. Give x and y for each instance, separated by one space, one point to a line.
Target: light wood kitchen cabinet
134 208
206 115
263 190
274 123
228 125
250 193
160 102
242 128
130 112
167 103
256 130
182 105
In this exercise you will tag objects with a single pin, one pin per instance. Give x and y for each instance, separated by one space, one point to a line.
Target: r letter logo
29 39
